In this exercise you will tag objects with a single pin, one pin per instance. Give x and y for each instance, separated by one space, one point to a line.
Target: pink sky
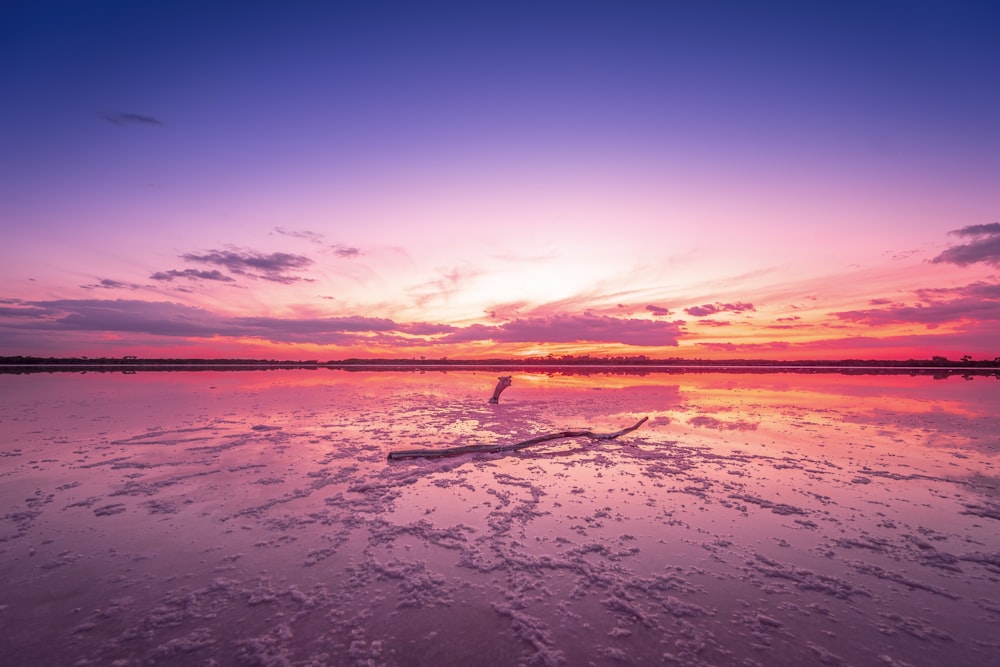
469 184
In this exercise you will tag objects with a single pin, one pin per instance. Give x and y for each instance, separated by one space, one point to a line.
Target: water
251 518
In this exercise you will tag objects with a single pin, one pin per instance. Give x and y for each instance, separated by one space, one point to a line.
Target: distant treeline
940 366
933 362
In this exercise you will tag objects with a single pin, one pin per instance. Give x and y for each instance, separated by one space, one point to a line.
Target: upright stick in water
501 385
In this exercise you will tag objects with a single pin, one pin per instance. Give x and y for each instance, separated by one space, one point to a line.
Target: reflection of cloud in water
704 421
252 518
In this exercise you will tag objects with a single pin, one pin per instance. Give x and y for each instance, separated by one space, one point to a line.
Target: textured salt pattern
252 519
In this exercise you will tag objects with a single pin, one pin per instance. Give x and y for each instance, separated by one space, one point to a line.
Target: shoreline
579 368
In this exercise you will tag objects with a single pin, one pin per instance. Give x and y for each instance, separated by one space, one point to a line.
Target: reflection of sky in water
268 496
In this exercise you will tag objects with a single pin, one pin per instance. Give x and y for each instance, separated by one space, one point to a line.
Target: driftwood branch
504 382
492 449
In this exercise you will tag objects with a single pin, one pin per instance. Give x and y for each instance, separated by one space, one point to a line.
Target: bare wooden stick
492 449
504 382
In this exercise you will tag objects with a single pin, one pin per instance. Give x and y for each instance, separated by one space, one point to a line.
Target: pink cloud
772 346
717 307
573 329
658 311
984 246
168 319
108 283
976 302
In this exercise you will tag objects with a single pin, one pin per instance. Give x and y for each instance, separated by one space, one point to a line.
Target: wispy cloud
984 246
977 301
573 329
443 287
507 311
345 251
717 307
131 119
305 234
274 266
978 290
735 348
339 249
108 283
192 274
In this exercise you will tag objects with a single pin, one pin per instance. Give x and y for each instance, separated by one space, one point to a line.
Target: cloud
658 311
788 323
192 274
345 251
312 237
171 319
977 301
978 289
773 346
977 230
339 249
573 329
126 315
131 119
273 267
507 311
445 286
25 310
107 283
984 247
425 328
717 307
163 318
323 331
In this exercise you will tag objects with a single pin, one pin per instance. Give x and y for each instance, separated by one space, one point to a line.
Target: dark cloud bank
173 319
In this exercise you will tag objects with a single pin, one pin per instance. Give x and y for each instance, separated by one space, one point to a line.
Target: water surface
251 518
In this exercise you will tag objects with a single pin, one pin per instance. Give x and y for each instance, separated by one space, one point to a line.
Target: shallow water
251 518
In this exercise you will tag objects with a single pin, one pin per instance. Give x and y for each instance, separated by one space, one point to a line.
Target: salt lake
253 518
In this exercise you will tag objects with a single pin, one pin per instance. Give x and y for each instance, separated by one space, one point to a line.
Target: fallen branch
492 449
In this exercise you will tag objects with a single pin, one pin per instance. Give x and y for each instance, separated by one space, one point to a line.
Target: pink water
251 518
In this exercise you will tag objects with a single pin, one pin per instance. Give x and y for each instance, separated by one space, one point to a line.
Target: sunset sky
786 180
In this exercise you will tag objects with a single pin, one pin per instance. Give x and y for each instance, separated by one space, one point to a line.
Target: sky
702 180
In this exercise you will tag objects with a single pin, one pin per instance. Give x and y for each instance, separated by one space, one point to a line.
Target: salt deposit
251 518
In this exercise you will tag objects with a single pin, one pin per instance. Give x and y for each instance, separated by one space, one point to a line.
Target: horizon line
935 363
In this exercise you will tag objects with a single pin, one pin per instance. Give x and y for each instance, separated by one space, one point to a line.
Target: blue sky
487 168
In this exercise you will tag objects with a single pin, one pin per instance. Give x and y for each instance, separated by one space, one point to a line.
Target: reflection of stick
490 449
501 385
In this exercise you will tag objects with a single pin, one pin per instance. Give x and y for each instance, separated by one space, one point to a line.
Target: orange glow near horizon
698 213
